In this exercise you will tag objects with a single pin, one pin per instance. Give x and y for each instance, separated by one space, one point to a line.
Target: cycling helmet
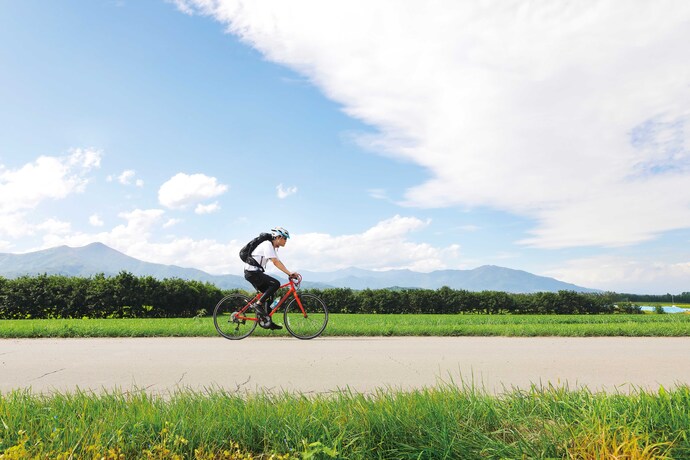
280 231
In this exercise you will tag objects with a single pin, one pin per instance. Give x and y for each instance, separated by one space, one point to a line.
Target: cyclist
267 285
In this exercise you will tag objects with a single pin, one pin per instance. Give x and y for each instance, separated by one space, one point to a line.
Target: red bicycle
305 315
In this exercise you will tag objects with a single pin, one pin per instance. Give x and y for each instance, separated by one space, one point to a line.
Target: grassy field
449 421
671 325
438 423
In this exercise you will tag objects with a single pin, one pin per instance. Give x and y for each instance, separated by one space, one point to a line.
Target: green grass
447 421
669 325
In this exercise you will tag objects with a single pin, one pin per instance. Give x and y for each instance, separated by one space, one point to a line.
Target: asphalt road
496 364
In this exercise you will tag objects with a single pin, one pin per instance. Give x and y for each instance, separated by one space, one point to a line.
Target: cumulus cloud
127 178
183 6
138 237
184 190
96 220
47 178
384 246
621 274
55 226
138 229
171 222
207 208
285 192
572 114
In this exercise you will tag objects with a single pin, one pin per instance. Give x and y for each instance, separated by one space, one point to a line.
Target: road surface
495 364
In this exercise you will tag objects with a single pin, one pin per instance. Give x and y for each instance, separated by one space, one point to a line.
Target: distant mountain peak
98 245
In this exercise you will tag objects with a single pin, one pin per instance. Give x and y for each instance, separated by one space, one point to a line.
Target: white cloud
137 237
84 159
15 225
208 255
96 220
55 226
207 208
378 193
127 178
47 178
171 223
183 6
183 190
285 192
139 227
622 274
572 114
384 246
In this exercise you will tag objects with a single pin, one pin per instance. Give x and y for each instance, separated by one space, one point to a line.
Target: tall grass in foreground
435 423
649 325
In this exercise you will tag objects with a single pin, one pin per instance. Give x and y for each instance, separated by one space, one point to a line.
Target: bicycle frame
291 291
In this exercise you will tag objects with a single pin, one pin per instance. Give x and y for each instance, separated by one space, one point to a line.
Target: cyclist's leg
268 286
270 292
263 283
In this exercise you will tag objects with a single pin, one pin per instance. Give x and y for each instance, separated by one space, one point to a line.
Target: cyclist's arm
281 267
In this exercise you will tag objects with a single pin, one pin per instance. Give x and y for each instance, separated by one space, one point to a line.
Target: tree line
100 296
447 300
129 296
683 297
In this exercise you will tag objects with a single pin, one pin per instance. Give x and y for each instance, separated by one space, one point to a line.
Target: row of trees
121 296
125 295
446 300
683 297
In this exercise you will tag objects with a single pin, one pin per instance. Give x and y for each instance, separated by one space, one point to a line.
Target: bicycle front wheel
307 321
229 322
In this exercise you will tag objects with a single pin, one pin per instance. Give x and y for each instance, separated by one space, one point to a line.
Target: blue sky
551 137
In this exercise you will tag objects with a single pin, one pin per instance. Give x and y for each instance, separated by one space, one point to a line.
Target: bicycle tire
309 326
229 326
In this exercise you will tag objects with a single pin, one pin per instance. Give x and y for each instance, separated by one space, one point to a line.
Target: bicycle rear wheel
309 323
229 322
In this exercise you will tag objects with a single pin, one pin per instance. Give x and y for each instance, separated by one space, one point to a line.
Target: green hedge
121 296
446 300
128 296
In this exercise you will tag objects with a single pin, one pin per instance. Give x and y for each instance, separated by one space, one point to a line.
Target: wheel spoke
230 321
306 322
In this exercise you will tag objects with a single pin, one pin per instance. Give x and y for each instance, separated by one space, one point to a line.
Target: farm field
641 325
447 421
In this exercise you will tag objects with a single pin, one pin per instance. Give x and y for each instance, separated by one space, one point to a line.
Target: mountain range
98 258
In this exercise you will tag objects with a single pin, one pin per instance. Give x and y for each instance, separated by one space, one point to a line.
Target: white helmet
280 231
